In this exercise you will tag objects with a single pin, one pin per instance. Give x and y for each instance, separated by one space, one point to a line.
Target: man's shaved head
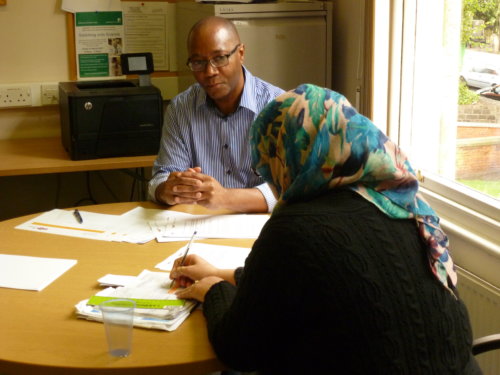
213 24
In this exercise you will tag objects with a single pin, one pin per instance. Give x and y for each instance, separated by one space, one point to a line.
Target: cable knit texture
334 286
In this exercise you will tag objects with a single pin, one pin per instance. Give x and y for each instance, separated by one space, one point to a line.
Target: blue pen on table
77 216
185 255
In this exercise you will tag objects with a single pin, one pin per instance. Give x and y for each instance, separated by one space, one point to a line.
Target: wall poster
103 30
146 30
99 43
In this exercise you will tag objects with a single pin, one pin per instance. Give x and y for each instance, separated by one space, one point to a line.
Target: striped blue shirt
196 133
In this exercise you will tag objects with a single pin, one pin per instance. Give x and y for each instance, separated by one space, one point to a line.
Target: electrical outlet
50 93
15 96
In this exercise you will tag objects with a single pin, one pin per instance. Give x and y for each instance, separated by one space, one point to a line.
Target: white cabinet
286 43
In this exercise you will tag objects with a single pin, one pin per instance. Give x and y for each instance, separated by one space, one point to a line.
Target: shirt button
226 146
228 172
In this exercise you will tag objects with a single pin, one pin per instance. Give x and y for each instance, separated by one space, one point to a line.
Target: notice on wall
146 30
106 29
99 42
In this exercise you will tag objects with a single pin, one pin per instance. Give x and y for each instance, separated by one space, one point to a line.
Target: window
418 61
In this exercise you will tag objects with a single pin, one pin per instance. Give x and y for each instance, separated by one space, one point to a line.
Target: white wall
33 48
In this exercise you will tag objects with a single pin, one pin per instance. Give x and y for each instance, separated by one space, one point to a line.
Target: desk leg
143 184
139 176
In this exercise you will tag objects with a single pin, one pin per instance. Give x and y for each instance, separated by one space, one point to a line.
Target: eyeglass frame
254 170
211 61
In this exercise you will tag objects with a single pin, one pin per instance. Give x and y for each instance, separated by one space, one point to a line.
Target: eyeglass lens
216 62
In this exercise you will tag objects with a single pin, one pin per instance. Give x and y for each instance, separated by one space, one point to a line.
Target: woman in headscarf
351 274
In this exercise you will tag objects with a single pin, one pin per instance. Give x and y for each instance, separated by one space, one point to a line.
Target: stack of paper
157 305
141 225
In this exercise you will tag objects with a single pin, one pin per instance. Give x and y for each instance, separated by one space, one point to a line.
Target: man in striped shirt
204 155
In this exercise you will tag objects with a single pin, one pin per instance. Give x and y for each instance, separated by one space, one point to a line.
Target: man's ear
241 52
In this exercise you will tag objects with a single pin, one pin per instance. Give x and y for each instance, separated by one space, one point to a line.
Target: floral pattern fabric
311 139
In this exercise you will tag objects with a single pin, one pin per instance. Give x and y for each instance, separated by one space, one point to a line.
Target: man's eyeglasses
216 62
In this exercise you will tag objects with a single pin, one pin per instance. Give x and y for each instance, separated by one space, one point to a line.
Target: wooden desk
47 155
41 334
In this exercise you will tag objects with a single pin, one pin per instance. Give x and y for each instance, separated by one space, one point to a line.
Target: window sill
471 221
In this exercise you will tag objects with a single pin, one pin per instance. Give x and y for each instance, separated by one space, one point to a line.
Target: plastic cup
118 318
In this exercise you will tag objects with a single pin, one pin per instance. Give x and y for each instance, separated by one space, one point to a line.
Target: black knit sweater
334 286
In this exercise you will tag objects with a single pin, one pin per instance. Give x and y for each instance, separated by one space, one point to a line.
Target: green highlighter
141 303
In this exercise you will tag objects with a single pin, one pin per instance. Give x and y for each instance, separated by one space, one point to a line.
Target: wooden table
46 155
40 333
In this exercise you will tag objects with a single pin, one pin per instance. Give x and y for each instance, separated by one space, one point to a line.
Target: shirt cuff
268 196
153 184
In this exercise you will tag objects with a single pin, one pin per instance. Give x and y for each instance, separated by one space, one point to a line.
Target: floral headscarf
311 139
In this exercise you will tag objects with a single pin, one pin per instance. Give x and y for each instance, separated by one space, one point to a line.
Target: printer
110 118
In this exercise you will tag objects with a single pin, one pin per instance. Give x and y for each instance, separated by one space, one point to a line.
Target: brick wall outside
477 131
478 144
485 110
478 162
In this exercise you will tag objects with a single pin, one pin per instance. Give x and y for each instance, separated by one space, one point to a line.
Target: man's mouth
213 84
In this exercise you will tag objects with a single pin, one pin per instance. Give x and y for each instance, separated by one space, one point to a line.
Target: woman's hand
195 268
198 289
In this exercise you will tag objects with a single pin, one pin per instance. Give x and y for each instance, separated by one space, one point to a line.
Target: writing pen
185 255
77 216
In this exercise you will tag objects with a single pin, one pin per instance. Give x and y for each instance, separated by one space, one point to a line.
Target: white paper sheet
133 226
168 224
94 226
74 6
117 280
224 257
31 273
141 225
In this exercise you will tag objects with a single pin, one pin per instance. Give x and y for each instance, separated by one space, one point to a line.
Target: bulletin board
160 51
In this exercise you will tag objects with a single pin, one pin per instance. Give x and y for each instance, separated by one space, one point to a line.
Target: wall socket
29 94
15 96
50 93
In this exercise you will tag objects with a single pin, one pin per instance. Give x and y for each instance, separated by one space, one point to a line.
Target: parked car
481 77
490 92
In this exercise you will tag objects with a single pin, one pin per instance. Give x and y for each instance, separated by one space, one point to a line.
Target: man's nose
210 69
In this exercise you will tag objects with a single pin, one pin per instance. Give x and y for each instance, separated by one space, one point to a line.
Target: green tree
486 10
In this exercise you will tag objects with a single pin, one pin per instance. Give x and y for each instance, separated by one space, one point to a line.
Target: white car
480 77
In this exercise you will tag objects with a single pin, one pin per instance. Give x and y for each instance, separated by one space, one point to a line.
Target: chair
485 344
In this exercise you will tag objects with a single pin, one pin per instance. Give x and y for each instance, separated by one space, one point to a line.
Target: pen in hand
184 256
77 216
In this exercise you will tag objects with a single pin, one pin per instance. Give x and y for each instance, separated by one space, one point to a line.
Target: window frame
470 217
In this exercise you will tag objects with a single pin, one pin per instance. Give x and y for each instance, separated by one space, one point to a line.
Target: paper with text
174 224
63 222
